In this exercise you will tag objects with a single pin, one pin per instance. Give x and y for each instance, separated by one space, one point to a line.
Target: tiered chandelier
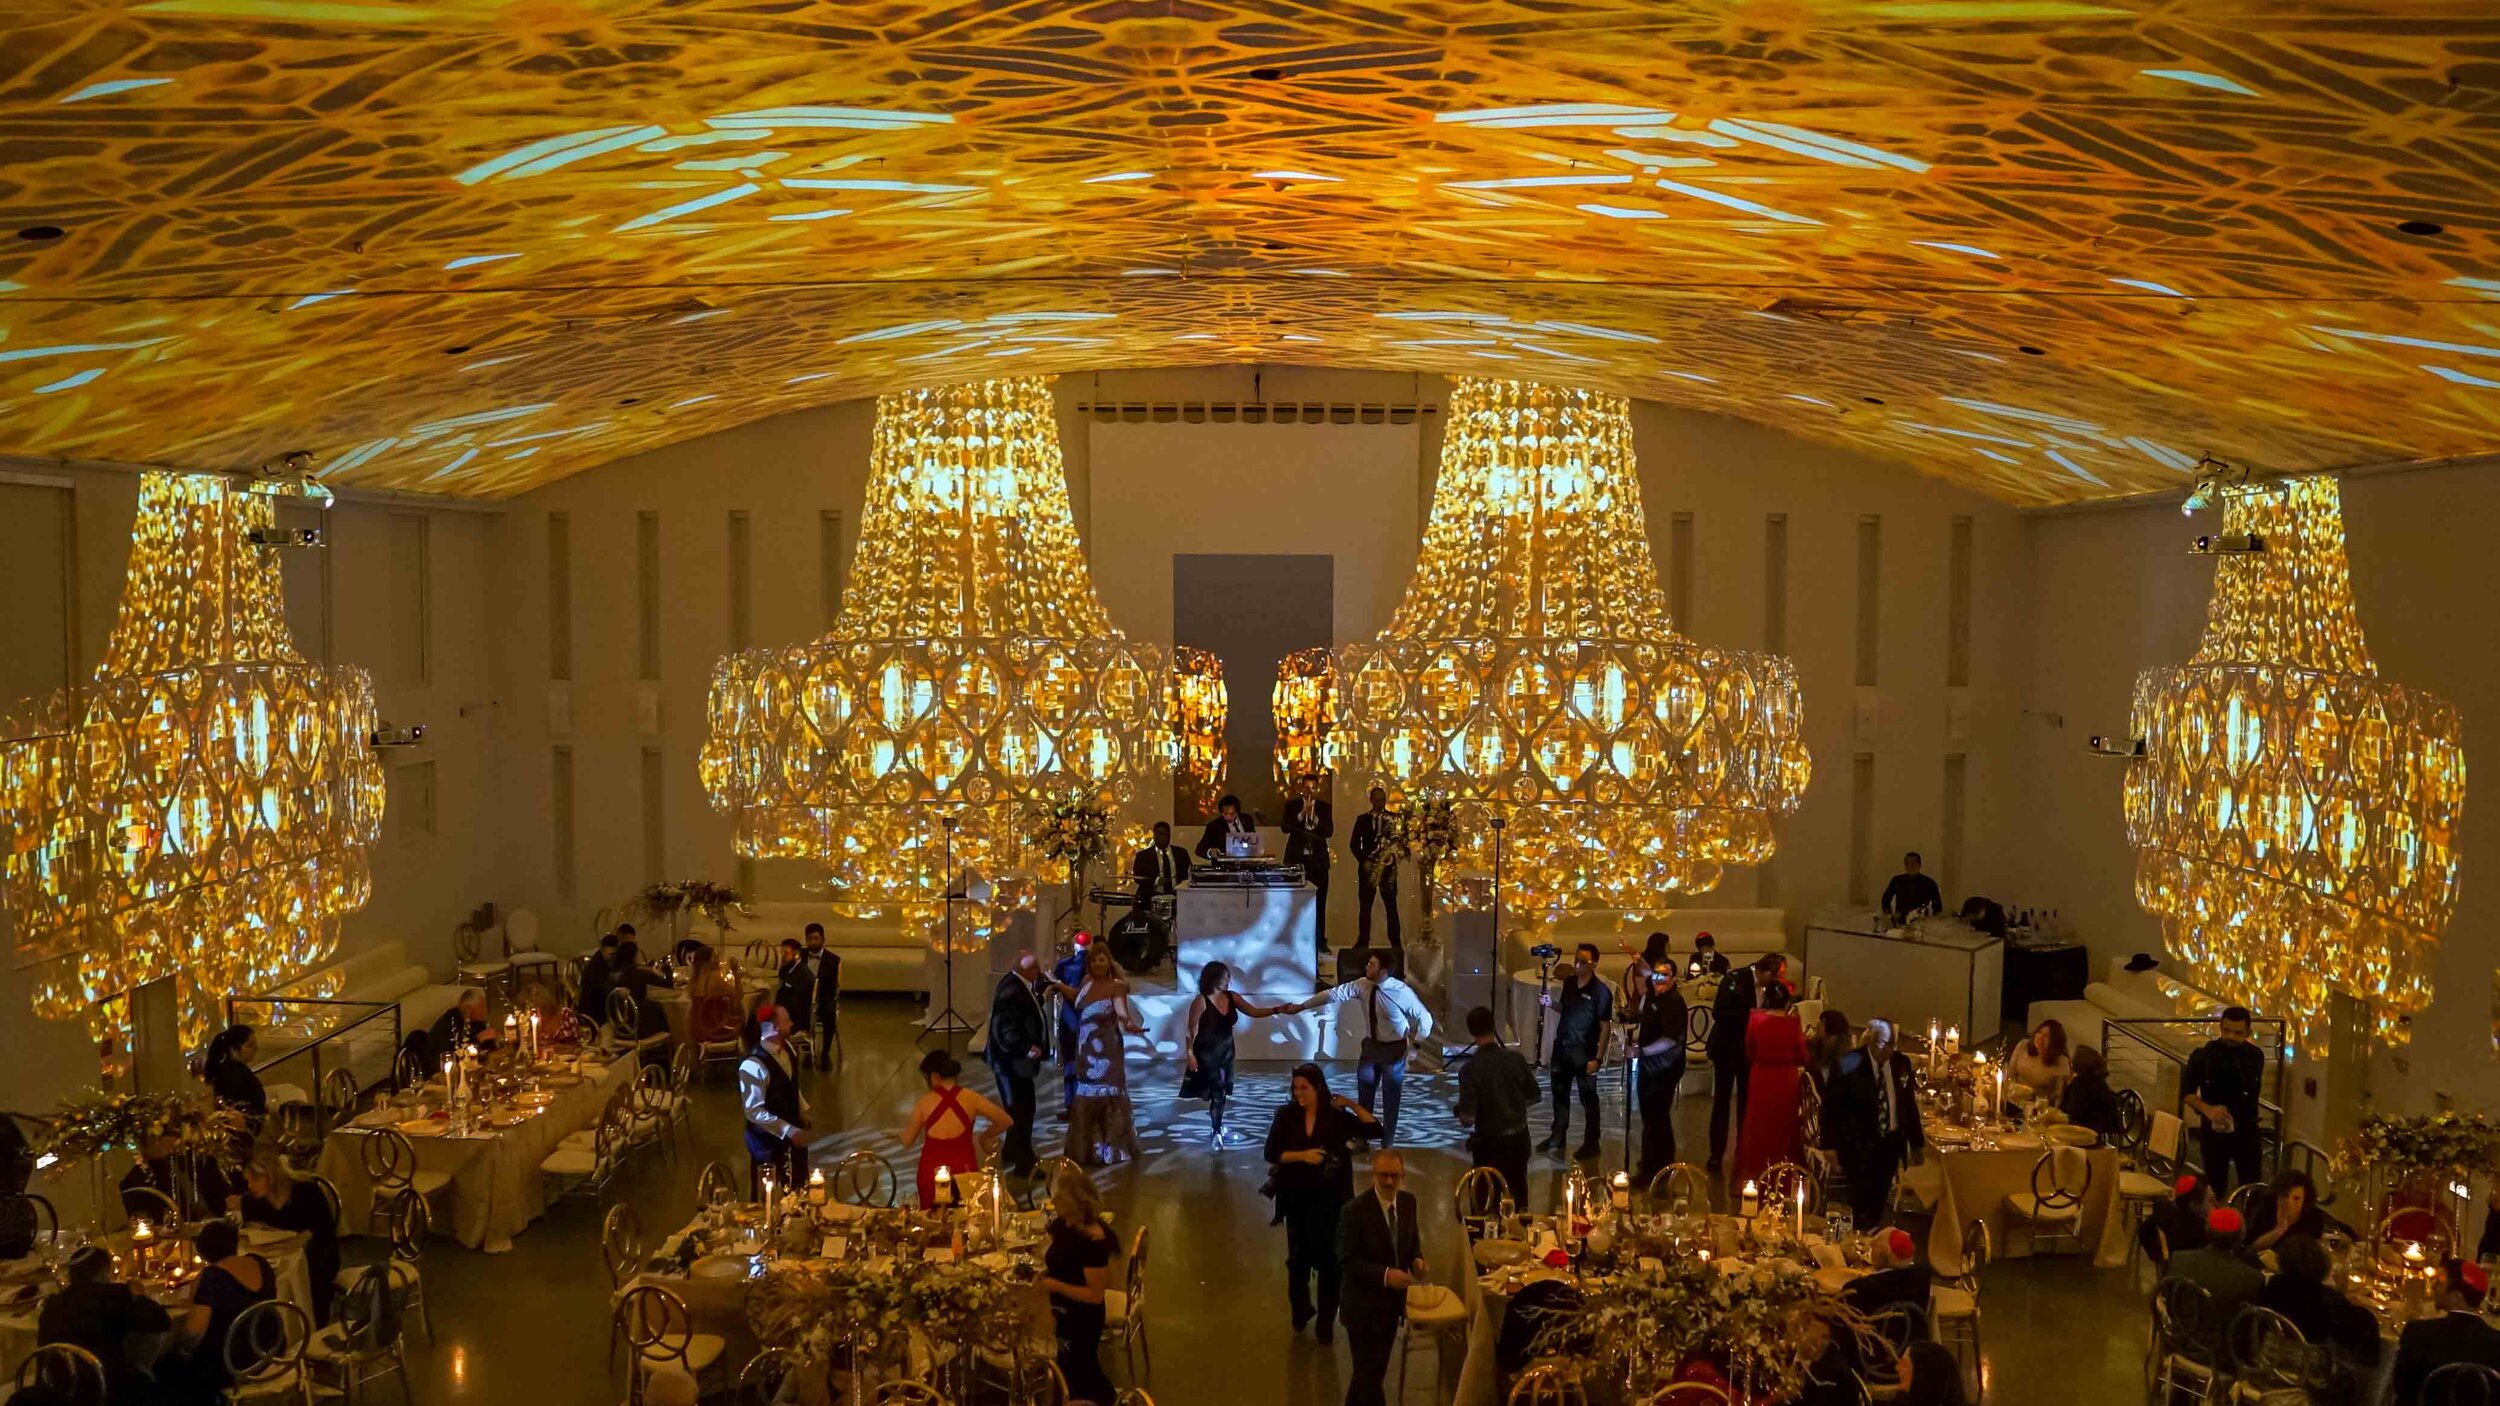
972 674
1198 709
2295 816
1532 674
203 807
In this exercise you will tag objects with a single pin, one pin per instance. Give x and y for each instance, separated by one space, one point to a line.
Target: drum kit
1142 938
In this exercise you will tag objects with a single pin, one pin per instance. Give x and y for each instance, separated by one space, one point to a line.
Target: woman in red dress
946 1114
1775 1051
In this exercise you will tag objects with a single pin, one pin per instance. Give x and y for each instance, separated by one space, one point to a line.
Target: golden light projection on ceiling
2294 815
1531 674
202 808
972 674
2052 251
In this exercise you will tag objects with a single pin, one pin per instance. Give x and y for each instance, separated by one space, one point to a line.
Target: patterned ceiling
2051 249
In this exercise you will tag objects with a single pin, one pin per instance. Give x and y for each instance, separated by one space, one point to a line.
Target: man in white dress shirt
768 1094
1393 1018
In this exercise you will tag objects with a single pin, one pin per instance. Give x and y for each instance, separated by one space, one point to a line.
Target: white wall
786 471
362 592
2117 592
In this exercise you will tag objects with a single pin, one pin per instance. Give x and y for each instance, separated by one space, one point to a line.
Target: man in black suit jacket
1229 820
2458 1334
1870 1119
1371 829
1729 1012
1310 823
1380 1252
1161 867
1020 1034
816 985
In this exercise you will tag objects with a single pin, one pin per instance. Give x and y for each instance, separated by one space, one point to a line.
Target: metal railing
358 1043
2151 1057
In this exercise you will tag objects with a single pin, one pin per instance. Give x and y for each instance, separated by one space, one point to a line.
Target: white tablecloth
496 1187
17 1325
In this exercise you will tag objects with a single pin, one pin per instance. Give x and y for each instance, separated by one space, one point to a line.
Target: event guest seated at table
161 1170
273 1197
2289 1208
2458 1334
2222 1269
458 1028
1707 959
2089 1101
2176 1224
2040 1061
598 978
635 979
135 1379
2299 1292
713 1000
1898 1277
92 1310
234 1281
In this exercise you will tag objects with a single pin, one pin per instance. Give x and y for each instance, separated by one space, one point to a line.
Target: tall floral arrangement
1074 833
2456 1146
1761 1324
811 1305
1429 831
718 902
94 1122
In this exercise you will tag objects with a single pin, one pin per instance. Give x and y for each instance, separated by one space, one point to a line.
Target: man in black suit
1229 821
1019 1036
1870 1119
2458 1334
1729 1012
1380 1252
824 1007
1371 828
1310 823
598 975
1160 868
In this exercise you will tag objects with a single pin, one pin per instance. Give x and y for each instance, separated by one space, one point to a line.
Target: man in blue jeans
1393 1018
1069 971
1582 1010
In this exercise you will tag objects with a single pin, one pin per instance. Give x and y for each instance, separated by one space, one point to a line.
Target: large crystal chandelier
202 808
971 676
1532 674
2295 816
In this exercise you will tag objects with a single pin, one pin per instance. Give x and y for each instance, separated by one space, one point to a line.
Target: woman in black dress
1076 1274
1313 1173
233 1282
273 1197
227 1070
1209 1071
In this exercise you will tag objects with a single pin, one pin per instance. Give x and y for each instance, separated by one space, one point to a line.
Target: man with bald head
1380 1251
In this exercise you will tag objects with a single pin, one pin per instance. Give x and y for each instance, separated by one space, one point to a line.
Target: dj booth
1258 918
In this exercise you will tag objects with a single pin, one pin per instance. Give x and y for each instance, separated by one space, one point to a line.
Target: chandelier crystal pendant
2294 815
1532 673
972 673
203 807
1198 708
1304 707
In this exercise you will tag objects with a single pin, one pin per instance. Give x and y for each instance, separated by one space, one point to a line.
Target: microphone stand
948 1021
1544 976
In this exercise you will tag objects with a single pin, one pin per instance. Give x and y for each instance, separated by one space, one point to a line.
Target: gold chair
391 1168
365 1340
66 1369
1778 1186
1124 1311
620 1253
713 1186
907 1394
1436 1316
660 1332
409 1223
864 1179
1483 1203
265 1348
1688 1394
2183 1367
2271 1363
1680 1189
2053 1207
1953 1308
1549 1381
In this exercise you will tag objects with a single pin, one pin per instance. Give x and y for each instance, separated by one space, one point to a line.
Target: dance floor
531 1324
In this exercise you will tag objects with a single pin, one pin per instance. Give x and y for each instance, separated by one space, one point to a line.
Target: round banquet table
17 1322
1973 1185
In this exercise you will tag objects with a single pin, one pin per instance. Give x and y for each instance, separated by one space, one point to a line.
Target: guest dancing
769 1098
947 1117
1076 1274
1393 1018
1582 1009
1310 822
1313 1178
1019 1032
1102 1125
1208 1072
1066 975
1775 1057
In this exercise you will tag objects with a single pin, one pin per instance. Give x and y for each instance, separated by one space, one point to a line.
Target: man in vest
768 1094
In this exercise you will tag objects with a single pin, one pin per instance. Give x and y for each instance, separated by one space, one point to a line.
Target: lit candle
1566 1215
816 1187
1953 1039
1749 1203
533 1037
768 1198
1935 1043
2000 1104
1622 1198
945 1187
1801 1210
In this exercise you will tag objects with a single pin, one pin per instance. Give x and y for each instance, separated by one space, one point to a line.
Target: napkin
1828 1256
834 1247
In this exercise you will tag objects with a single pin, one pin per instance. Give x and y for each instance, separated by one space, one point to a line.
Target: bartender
1160 868
1228 823
1911 893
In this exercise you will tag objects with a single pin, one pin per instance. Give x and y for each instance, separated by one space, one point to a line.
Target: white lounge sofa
380 974
876 956
2122 995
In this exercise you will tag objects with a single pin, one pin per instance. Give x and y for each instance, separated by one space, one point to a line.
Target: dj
1229 823
1160 868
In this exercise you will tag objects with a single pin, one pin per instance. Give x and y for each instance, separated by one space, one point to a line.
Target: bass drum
1139 941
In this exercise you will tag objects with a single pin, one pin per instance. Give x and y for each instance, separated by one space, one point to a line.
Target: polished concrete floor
530 1325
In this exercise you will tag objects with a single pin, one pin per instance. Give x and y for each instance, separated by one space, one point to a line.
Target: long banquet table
496 1188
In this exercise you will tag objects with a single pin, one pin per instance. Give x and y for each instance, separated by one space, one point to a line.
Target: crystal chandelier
2295 817
971 675
1532 674
1197 709
202 808
1304 705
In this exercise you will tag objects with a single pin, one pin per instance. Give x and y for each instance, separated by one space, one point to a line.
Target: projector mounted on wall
2226 544
284 536
2117 746
385 735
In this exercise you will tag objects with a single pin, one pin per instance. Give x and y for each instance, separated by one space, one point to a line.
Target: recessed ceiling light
2029 350
39 233
2422 229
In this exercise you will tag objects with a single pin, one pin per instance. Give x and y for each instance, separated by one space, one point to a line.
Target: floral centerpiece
1758 1325
1429 831
94 1122
718 902
2456 1147
1074 833
873 1304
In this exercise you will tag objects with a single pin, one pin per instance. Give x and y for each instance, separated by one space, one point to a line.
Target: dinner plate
720 1267
2070 1135
562 1081
380 1118
509 1118
266 1234
424 1127
534 1099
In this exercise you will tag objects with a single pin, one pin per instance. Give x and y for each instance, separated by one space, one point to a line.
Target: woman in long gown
947 1116
1102 1125
1775 1053
1208 1073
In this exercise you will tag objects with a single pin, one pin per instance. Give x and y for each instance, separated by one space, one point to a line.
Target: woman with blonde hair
274 1198
713 999
1076 1274
1102 1124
